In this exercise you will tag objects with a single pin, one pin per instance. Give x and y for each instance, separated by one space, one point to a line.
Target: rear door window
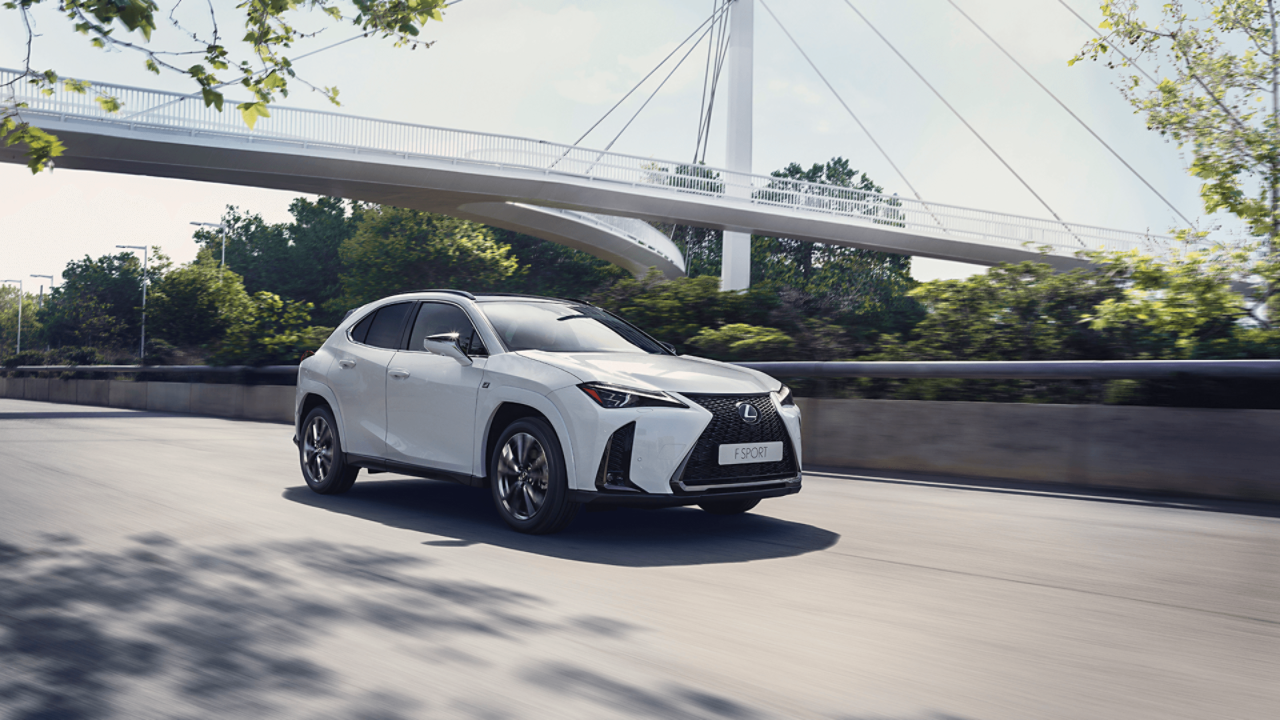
387 327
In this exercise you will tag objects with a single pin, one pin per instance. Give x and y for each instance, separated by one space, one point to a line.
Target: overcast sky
548 69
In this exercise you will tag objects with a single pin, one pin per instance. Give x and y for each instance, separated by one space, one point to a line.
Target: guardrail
160 369
972 370
1025 370
168 113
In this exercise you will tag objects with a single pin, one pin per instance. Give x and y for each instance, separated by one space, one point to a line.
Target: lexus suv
550 404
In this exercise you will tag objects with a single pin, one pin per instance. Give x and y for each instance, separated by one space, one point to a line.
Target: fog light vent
615 464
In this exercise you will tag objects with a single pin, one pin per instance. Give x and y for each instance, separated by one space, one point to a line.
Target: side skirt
379 465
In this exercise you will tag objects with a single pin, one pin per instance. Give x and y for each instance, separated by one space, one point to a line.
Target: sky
549 69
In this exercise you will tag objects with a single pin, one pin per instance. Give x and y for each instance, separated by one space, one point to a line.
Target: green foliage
297 260
674 311
554 270
738 341
396 250
1218 93
272 332
32 325
265 71
1187 306
196 304
41 147
847 277
99 302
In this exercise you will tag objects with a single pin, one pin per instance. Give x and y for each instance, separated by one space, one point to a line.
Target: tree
547 268
31 321
197 304
298 260
1218 95
259 63
272 331
1186 306
675 311
396 250
844 277
99 302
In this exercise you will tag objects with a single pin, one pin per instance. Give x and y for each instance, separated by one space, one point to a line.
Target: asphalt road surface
163 566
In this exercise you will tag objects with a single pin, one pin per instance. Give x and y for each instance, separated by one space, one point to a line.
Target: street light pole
50 279
20 298
223 231
142 344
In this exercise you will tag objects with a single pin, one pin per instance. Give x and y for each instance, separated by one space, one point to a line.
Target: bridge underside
520 200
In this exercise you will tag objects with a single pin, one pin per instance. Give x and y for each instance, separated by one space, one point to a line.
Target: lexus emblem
748 412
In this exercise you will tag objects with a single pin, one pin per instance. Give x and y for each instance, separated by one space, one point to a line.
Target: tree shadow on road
624 537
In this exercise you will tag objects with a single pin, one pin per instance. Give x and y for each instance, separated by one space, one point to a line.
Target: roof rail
463 293
535 297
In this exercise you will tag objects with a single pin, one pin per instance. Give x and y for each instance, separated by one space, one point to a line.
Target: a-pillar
735 263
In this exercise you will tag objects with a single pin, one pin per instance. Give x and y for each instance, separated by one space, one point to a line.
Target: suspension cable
847 109
653 94
719 43
1069 112
950 107
655 69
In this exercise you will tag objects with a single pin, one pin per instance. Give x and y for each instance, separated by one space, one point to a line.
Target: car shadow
625 537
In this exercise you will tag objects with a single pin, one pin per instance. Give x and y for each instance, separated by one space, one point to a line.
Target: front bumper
760 491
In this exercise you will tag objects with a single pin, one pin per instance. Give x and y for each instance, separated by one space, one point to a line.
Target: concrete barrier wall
272 403
1226 453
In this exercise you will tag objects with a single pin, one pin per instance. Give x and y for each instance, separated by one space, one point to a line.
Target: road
174 566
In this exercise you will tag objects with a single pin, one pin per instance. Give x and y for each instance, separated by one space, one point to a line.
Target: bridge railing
159 111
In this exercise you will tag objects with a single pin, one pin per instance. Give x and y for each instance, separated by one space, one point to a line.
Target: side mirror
446 344
669 346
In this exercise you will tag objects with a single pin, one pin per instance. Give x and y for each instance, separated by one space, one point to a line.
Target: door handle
347 363
399 373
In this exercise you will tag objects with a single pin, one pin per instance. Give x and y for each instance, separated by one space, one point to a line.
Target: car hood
682 374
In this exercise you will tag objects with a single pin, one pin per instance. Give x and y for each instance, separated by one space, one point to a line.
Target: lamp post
50 279
20 297
223 230
142 344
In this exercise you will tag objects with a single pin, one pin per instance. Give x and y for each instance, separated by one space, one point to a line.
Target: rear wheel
728 507
320 454
528 479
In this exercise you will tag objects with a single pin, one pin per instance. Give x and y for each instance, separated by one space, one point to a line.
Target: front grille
726 427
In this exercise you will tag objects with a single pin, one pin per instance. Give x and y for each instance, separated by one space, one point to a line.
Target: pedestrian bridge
595 201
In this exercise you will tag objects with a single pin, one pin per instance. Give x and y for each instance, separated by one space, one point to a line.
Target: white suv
551 404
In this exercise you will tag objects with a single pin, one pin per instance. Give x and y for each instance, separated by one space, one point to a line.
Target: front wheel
728 507
528 479
320 454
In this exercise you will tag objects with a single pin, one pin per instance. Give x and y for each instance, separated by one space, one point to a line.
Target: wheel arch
507 412
316 397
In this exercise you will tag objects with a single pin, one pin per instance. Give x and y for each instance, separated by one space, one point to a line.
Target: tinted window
556 327
361 330
437 318
388 326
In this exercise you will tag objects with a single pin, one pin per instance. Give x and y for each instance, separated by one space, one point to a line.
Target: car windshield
559 327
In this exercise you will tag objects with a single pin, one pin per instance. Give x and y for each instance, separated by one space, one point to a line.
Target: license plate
750 453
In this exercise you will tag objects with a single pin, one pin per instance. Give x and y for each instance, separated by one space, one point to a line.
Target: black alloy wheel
320 455
528 480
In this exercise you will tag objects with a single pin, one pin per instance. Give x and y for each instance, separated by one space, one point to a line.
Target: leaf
109 103
212 97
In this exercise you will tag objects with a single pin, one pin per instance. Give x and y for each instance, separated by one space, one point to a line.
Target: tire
728 507
324 466
527 478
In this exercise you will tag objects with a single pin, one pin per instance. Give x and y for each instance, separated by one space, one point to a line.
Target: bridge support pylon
735 261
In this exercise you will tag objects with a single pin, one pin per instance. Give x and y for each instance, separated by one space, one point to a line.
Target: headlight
616 396
785 397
